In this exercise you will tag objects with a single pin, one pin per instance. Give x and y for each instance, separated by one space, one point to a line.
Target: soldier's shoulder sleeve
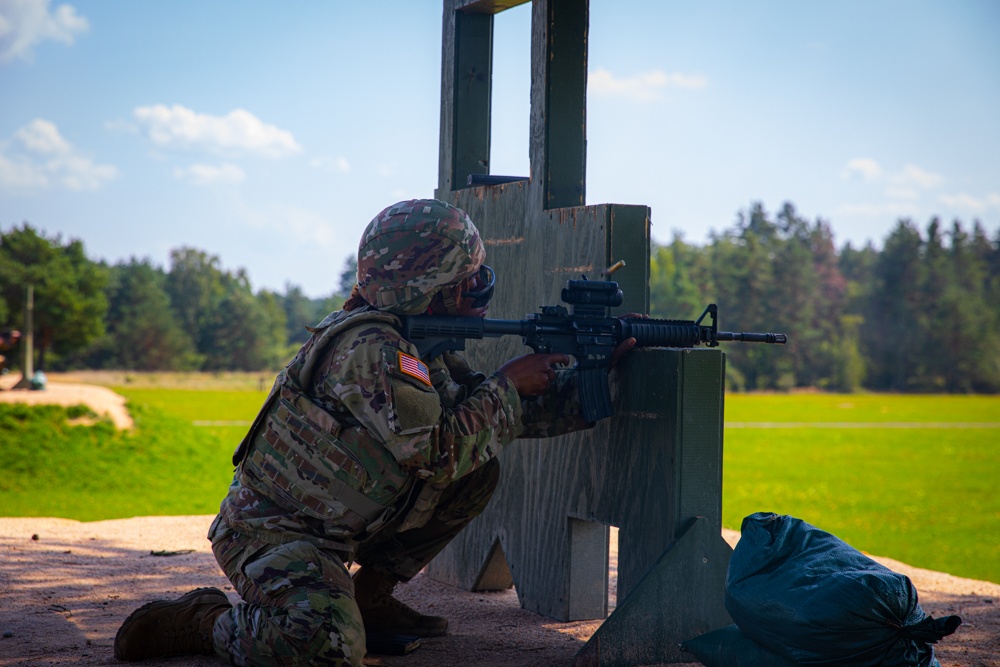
412 407
382 381
352 370
414 402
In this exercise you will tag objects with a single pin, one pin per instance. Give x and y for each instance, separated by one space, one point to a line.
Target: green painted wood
543 482
622 473
466 89
654 466
446 142
485 6
472 93
649 625
588 569
667 465
629 236
565 75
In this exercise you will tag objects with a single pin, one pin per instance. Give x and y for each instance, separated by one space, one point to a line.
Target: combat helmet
414 249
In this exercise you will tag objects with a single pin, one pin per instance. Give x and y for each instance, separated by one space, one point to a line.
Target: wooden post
468 73
27 340
649 470
661 483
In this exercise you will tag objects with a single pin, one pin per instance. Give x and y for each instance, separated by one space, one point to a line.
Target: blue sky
270 133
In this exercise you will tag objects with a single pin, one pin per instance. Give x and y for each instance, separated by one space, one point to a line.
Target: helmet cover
412 250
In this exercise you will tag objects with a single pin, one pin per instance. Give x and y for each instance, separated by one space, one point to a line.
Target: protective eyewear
487 281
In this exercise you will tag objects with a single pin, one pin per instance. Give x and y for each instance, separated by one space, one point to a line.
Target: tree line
134 315
920 314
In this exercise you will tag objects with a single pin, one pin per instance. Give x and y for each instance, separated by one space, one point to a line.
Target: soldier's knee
468 497
341 646
491 474
487 479
317 637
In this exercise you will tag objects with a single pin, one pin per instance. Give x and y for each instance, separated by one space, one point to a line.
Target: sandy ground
101 400
66 586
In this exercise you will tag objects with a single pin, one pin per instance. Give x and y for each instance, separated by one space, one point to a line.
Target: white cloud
338 163
303 226
209 174
20 176
864 167
75 172
237 133
967 202
643 87
892 209
901 193
38 157
25 23
904 184
42 138
120 126
913 175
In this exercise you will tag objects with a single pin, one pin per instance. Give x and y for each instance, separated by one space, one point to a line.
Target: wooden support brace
682 596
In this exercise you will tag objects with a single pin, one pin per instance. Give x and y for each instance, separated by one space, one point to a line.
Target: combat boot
384 614
171 627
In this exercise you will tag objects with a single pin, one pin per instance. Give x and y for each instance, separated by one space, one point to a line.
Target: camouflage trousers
299 606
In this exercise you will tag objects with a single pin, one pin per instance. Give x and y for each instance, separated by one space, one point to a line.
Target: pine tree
69 298
893 319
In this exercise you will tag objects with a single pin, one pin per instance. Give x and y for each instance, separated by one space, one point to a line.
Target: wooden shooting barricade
655 469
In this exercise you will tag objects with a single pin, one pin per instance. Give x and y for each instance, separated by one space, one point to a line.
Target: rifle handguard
585 332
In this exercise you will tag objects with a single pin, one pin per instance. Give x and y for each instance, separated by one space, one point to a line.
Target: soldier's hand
626 344
620 351
533 374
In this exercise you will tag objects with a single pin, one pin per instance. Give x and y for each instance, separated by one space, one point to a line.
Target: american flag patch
414 368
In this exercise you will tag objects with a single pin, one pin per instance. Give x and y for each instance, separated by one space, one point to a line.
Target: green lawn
915 479
54 467
225 415
168 464
862 408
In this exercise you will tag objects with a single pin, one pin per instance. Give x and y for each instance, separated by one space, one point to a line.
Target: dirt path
64 594
101 400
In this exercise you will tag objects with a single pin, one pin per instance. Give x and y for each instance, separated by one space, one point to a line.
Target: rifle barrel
769 338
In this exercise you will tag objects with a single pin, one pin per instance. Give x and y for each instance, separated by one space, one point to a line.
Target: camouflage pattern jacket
356 419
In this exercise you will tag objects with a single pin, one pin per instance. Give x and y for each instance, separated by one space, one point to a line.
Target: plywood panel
649 469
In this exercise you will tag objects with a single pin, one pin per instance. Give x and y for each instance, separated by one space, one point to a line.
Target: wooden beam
679 598
628 236
473 83
559 100
649 470
487 6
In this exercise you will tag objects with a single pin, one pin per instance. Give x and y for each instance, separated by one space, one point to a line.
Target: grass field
55 467
226 415
909 477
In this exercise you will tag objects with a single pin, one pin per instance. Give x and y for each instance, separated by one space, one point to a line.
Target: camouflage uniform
365 452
